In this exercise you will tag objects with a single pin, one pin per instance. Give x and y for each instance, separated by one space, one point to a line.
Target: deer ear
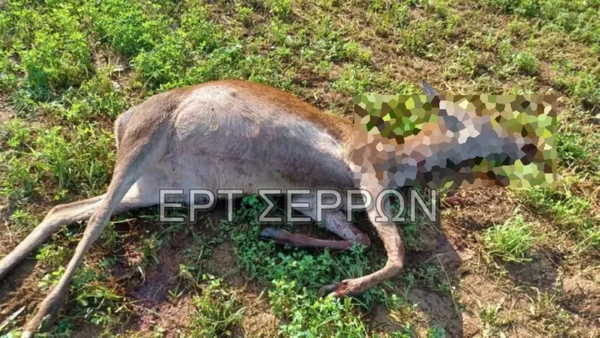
428 89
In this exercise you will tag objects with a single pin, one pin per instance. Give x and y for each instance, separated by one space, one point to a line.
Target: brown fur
337 126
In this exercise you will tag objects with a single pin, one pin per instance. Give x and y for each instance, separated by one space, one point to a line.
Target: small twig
456 308
10 318
146 309
10 235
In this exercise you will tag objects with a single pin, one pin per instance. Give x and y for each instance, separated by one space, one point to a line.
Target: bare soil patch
582 296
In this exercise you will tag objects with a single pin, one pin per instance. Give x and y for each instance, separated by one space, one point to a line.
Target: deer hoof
345 288
269 234
327 290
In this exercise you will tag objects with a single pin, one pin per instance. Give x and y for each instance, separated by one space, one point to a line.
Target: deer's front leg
388 232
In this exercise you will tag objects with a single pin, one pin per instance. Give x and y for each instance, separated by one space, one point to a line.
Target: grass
217 309
313 317
67 69
511 241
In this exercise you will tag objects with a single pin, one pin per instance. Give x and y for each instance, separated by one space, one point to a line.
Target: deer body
225 135
218 135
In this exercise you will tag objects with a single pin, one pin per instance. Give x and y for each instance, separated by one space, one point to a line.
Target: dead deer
224 134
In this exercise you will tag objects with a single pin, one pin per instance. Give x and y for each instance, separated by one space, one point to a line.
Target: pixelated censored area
455 140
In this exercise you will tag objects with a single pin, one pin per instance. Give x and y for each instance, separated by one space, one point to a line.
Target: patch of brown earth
224 264
436 310
478 293
151 298
151 295
88 330
173 318
477 209
160 278
4 116
541 272
6 237
466 213
446 250
20 289
380 317
5 113
582 296
258 319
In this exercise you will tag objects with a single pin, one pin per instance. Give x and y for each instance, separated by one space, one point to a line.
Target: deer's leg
388 232
141 147
59 216
63 215
68 214
335 221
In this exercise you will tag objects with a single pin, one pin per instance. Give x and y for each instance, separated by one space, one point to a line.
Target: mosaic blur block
455 140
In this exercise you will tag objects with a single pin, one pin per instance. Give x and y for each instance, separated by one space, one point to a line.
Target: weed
545 309
582 85
572 149
51 158
526 63
329 317
561 15
281 9
165 62
128 26
217 309
436 332
511 240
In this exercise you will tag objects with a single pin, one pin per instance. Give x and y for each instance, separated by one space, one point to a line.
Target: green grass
217 309
312 317
54 159
571 214
511 241
526 63
67 69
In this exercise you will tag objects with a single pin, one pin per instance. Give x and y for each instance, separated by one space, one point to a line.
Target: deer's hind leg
334 220
139 196
58 217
